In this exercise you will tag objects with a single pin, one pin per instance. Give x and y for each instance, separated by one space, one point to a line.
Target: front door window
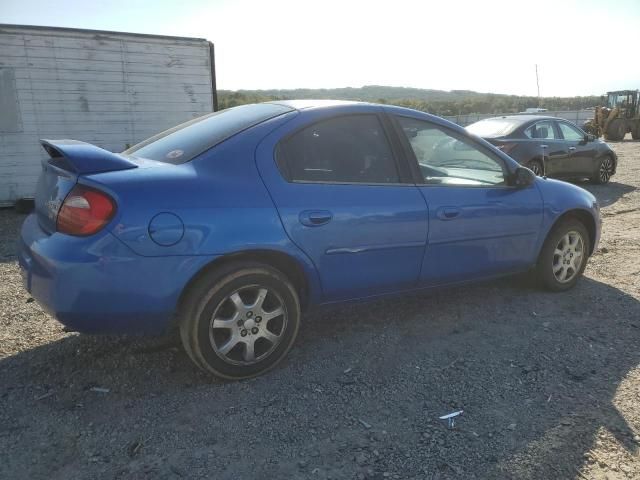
448 159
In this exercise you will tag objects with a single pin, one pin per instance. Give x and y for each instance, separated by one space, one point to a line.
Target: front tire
604 172
564 256
616 130
240 321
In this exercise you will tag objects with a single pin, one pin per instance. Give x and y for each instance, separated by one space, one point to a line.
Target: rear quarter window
186 141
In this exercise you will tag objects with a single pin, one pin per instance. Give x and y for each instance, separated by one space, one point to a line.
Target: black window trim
413 161
402 168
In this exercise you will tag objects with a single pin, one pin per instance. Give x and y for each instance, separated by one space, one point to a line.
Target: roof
305 104
365 106
6 28
622 92
525 118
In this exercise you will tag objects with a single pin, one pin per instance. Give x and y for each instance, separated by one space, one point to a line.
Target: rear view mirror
523 177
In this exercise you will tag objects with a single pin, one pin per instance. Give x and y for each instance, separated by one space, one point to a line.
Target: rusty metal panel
109 89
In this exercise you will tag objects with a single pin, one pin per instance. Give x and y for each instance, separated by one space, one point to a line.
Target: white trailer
107 88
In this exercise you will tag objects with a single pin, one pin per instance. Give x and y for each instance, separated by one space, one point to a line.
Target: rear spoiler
84 158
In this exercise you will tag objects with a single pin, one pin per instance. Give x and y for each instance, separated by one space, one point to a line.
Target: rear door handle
544 146
448 213
572 148
315 218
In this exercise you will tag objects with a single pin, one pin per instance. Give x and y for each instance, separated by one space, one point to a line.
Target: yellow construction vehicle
620 115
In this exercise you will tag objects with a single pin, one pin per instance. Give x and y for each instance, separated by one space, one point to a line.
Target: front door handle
572 149
544 146
315 218
448 213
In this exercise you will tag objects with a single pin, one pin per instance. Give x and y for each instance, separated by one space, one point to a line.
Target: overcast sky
487 45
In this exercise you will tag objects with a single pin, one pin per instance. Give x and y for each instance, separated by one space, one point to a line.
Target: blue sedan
229 226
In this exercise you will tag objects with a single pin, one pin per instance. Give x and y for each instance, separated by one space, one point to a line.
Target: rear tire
604 172
239 321
564 256
536 167
616 130
635 132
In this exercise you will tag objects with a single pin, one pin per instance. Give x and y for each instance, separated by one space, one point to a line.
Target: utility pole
538 84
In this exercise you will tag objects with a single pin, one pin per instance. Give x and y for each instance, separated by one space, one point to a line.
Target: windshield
618 100
493 127
188 140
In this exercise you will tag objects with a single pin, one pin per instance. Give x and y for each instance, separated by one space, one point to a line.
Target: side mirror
523 177
589 138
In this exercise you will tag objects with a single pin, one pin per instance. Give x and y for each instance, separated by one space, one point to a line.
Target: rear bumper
97 284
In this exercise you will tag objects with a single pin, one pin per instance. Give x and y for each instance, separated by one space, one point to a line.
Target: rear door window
541 130
347 149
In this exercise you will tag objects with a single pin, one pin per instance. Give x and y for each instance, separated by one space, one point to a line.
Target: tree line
438 102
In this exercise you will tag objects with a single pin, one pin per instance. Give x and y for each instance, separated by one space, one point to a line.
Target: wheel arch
599 158
583 216
286 263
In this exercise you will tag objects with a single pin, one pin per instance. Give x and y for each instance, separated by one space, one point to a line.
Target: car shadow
566 360
606 194
627 139
536 374
10 223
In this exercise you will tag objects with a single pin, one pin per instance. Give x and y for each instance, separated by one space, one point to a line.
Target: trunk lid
69 159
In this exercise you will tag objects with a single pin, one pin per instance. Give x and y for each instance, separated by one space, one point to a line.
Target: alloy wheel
248 325
536 168
606 170
568 257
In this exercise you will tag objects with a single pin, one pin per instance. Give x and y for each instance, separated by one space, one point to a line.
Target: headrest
541 132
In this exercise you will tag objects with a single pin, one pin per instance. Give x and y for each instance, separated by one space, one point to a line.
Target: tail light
507 147
85 211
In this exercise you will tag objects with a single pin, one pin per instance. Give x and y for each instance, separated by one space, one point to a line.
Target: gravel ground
549 384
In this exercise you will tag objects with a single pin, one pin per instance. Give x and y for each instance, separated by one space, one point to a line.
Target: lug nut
249 314
254 330
243 333
258 319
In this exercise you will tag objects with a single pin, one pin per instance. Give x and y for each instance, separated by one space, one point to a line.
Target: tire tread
204 289
543 272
